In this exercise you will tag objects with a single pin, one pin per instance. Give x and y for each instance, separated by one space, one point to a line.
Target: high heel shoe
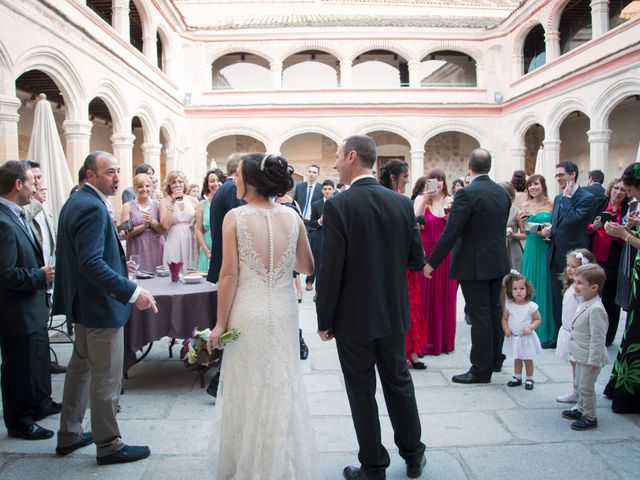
418 365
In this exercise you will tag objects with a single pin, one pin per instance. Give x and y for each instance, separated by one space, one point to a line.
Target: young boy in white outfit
587 344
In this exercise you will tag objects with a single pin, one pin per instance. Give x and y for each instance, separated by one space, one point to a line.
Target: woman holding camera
144 237
535 214
177 216
607 248
431 199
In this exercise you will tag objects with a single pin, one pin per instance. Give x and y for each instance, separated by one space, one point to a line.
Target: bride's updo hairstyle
269 174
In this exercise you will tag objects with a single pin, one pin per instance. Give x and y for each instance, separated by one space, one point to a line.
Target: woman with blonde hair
177 216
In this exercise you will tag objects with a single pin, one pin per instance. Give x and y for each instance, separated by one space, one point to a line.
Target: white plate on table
192 278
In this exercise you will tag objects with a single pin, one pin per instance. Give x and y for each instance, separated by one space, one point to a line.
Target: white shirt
360 177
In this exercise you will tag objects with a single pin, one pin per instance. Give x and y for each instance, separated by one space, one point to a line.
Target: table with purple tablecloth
181 308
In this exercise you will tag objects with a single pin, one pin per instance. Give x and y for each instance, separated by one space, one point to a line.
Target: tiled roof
291 21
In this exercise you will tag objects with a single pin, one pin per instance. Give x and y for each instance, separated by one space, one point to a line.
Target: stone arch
167 48
148 26
522 125
168 127
236 47
377 125
560 111
5 71
318 128
466 48
55 64
311 45
109 93
450 126
389 45
523 31
235 129
609 99
147 118
553 15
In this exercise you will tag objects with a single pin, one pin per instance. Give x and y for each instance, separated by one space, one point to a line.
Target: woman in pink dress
395 175
431 200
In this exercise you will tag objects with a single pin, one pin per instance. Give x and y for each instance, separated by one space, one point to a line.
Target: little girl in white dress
519 321
570 302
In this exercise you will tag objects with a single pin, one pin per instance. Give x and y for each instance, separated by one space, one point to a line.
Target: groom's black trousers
358 361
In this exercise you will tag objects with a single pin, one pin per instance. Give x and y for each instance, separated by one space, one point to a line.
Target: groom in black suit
475 231
370 239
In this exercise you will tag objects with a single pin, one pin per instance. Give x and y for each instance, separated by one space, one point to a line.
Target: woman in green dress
212 181
624 385
536 211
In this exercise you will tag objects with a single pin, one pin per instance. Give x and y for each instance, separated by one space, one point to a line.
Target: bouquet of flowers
194 349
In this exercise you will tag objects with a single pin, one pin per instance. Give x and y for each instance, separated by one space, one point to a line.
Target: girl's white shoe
568 398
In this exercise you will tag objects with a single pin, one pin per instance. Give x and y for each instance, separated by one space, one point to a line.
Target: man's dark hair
10 172
339 185
232 163
143 168
91 162
328 182
33 164
569 167
480 161
364 148
316 166
597 176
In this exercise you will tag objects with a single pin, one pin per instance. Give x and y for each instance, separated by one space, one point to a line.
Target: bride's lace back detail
265 427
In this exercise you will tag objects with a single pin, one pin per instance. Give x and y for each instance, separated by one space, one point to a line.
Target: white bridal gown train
265 427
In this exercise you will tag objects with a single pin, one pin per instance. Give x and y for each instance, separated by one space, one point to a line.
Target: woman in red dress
431 199
395 175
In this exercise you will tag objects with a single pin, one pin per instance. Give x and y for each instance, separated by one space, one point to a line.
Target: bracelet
626 239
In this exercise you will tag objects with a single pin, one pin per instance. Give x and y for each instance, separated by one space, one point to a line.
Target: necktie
23 218
306 213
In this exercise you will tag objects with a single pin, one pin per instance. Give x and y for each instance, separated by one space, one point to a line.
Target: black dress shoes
550 344
304 350
356 473
469 377
414 471
87 439
56 368
125 455
52 409
34 432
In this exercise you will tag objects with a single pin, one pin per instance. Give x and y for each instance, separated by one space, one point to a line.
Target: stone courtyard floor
471 432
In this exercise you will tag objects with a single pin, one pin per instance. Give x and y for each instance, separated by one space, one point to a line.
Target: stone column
598 149
416 169
551 45
151 155
517 66
480 74
518 155
415 74
276 74
122 145
150 48
9 117
551 159
77 135
120 19
599 18
345 73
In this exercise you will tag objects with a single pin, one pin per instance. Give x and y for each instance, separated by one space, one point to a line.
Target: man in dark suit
93 291
315 223
594 184
370 238
26 379
224 200
573 209
479 259
305 195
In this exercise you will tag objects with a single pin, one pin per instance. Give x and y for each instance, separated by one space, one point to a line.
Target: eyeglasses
560 175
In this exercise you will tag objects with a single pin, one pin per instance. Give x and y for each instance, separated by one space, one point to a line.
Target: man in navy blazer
573 209
26 379
93 291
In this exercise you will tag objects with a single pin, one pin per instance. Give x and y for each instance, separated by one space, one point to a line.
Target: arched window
135 27
380 69
102 8
240 70
621 11
534 50
448 68
310 69
575 25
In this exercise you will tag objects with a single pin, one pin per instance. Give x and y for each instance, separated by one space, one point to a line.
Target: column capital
416 153
516 151
122 140
152 148
80 128
599 136
9 105
552 35
550 145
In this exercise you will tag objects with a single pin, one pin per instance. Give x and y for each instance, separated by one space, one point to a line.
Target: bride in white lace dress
265 428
